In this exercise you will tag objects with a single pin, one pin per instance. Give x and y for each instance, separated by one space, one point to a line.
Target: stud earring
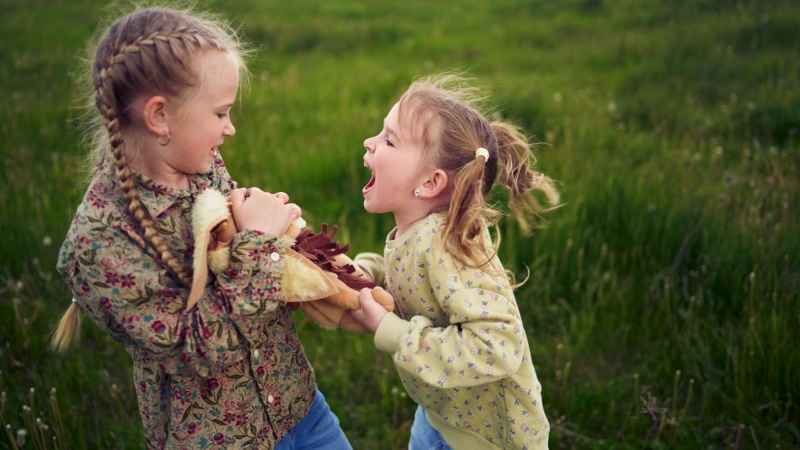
164 139
417 192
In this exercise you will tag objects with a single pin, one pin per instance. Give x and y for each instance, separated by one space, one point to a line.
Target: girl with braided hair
457 339
229 372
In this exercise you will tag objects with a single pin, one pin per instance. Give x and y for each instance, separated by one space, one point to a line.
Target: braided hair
147 51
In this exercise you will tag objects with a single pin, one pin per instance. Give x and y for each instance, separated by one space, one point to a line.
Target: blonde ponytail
515 174
67 332
468 215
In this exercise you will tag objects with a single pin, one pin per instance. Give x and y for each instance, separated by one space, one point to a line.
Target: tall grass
662 307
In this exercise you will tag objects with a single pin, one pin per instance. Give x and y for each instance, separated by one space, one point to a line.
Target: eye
222 115
386 138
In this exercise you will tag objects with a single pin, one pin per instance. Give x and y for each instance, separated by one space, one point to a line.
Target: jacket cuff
389 332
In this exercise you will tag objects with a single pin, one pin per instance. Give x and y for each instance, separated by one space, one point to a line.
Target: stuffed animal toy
317 275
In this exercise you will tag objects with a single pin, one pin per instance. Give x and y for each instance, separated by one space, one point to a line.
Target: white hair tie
482 152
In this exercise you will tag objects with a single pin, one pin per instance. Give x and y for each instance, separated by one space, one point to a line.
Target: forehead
418 124
392 119
218 73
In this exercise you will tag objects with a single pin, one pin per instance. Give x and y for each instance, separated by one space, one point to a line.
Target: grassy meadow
663 306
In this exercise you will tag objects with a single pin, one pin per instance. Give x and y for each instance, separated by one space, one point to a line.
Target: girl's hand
371 312
254 209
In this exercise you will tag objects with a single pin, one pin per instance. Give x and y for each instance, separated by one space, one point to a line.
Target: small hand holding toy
318 276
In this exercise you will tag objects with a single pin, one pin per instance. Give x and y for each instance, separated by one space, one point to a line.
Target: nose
369 146
230 130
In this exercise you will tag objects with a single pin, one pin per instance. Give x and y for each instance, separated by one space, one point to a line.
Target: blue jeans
424 436
318 430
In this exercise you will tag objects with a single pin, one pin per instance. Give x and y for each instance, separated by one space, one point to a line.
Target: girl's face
199 124
396 161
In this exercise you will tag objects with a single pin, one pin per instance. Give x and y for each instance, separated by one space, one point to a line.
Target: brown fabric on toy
318 276
322 250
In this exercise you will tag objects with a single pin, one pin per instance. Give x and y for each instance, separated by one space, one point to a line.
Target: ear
435 184
155 115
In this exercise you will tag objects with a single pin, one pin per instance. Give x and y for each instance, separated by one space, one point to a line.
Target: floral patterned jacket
230 373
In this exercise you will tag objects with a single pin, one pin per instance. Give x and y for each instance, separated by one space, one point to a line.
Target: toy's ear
209 210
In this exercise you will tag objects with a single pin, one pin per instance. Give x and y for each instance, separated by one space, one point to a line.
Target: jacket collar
158 198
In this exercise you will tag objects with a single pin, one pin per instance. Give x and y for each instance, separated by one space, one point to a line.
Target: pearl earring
417 192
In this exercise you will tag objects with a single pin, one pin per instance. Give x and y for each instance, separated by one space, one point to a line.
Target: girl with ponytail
229 372
457 338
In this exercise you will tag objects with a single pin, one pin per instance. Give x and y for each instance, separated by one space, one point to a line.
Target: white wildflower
21 434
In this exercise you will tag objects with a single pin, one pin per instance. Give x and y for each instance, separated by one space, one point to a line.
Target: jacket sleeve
126 291
251 285
483 338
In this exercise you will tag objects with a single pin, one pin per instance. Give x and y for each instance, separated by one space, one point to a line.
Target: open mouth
370 184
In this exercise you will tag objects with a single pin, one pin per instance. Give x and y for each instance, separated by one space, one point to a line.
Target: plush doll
317 275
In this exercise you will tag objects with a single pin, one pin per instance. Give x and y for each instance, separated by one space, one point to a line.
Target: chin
204 169
368 208
372 208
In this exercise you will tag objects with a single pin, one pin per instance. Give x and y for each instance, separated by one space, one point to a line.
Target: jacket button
256 354
270 399
274 256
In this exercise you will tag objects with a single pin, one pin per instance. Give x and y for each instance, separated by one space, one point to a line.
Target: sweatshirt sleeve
372 265
483 338
126 291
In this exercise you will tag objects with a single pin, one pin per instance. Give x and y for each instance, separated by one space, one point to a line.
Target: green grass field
663 305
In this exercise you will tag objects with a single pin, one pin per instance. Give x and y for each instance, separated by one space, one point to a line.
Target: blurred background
662 307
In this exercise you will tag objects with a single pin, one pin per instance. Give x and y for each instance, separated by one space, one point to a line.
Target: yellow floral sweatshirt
458 343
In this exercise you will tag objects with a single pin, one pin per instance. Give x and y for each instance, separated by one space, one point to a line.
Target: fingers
237 197
283 197
365 297
349 323
263 211
294 211
371 313
358 315
368 304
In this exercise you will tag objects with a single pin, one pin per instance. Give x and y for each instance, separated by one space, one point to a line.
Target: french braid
147 51
158 45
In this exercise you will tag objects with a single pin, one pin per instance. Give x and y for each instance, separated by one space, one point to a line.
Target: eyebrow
391 131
